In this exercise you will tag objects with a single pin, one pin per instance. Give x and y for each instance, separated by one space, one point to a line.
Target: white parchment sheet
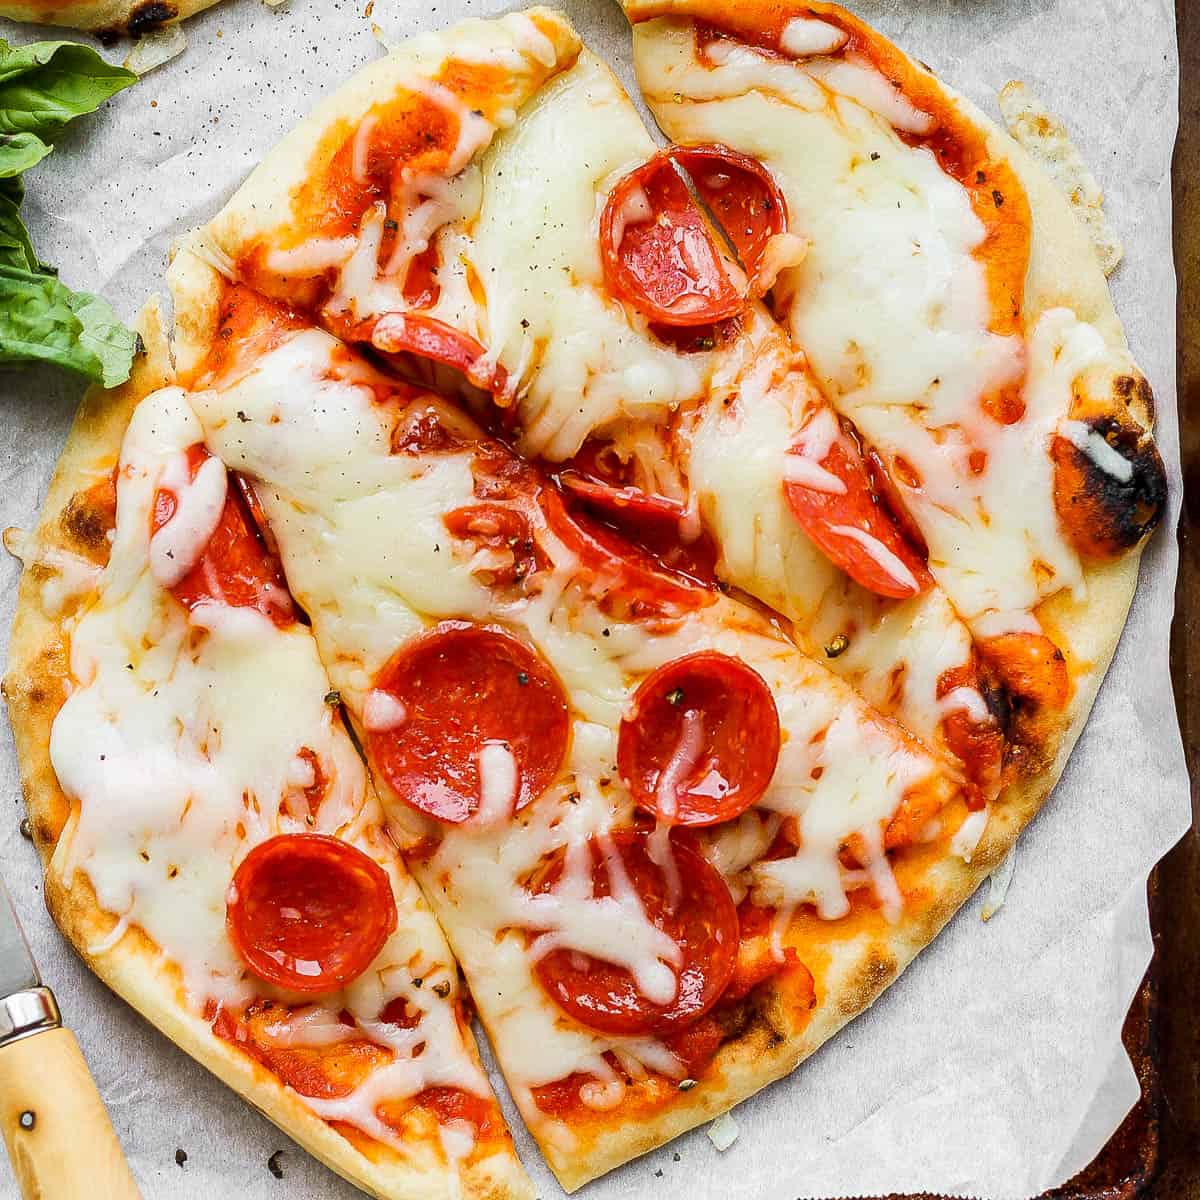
994 1066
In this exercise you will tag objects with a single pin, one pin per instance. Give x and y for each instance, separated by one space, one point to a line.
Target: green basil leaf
42 320
19 152
16 249
44 85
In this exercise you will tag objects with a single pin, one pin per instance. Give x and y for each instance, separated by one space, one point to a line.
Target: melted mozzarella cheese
382 711
862 83
361 536
872 774
970 832
738 461
583 360
176 547
995 548
803 36
188 739
423 206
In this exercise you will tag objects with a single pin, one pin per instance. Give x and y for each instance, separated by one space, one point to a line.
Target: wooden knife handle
61 1144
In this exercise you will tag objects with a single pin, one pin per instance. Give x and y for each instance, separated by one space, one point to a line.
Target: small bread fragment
1045 137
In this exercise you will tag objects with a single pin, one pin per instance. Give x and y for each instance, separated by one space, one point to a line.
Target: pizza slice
949 307
671 853
212 845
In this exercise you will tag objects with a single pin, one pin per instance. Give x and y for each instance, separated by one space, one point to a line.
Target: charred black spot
1000 703
1120 512
148 17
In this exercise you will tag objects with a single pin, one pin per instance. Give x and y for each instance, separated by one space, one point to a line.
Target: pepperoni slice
236 568
470 720
889 495
309 912
659 253
700 919
395 335
830 494
702 739
741 193
627 582
256 512
507 533
623 502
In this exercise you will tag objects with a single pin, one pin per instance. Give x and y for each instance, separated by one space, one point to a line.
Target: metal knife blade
18 971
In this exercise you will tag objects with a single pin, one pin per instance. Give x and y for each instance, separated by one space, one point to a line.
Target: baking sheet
994 1067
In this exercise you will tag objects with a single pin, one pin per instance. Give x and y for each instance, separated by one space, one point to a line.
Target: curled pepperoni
401 337
699 917
623 502
626 581
701 741
236 567
659 253
741 194
832 498
256 512
506 533
309 912
889 496
469 718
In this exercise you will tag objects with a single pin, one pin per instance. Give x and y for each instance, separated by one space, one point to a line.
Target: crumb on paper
998 881
153 49
180 1157
274 1165
1046 139
378 34
723 1132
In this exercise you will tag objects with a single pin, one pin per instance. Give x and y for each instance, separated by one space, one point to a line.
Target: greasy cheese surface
585 360
593 369
187 740
737 460
517 230
367 554
891 307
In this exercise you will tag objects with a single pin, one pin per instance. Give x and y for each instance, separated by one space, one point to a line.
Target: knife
60 1141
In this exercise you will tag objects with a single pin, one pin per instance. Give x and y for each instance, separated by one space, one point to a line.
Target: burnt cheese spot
151 15
1102 513
1134 392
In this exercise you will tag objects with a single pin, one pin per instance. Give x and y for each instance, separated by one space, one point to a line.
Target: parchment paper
994 1066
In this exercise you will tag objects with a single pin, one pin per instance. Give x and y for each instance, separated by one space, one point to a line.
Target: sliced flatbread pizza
716 551
484 253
